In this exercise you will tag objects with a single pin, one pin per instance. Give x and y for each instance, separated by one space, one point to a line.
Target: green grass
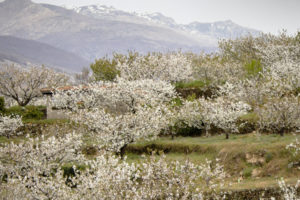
214 143
5 140
46 121
232 153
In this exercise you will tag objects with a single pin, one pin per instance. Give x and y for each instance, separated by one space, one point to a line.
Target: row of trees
262 74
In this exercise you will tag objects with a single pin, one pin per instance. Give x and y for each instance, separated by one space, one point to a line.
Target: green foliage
176 102
297 38
192 84
46 121
247 173
250 117
105 69
15 110
192 97
27 112
33 112
253 68
297 91
2 105
269 156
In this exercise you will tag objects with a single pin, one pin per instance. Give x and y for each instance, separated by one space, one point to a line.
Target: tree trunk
227 136
281 132
24 102
122 151
207 133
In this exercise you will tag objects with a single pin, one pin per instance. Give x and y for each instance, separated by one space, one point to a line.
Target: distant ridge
23 51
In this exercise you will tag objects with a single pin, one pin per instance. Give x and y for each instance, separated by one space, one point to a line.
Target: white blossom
9 125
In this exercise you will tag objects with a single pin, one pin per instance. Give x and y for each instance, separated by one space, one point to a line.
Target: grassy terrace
252 161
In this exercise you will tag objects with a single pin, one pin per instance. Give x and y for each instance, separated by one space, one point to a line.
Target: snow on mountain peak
220 29
92 9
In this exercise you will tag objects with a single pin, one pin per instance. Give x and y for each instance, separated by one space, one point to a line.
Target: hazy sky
266 15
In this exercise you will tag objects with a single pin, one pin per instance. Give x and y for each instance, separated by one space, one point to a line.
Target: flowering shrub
9 125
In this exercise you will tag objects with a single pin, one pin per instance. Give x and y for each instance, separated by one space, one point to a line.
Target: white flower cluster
282 62
294 147
9 125
34 166
191 114
171 67
289 191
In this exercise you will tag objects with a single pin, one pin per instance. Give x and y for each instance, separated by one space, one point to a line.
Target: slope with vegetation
143 104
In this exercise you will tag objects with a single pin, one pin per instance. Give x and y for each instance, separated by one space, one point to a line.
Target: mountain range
82 34
25 52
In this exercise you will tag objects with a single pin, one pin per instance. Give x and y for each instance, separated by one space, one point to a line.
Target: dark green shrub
33 112
28 112
192 84
269 156
15 110
2 105
105 69
247 173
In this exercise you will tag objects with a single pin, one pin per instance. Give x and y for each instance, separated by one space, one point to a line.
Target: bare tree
24 84
84 77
